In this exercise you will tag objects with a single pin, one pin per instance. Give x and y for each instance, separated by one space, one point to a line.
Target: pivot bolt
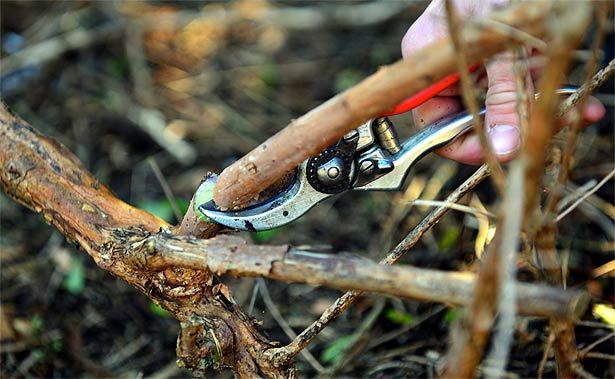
333 172
367 167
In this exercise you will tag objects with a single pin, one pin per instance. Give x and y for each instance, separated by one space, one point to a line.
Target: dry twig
470 98
585 196
54 47
543 126
511 230
277 316
470 336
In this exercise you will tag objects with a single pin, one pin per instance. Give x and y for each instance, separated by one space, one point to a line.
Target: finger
429 27
594 111
501 118
465 149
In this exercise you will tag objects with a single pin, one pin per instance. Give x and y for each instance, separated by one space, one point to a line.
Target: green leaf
269 74
333 352
74 281
118 67
448 239
57 345
159 311
39 354
452 315
161 208
401 318
36 325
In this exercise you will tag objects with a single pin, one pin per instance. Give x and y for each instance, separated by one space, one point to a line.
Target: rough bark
44 176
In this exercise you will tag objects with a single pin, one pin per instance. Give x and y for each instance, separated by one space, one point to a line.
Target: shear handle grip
427 94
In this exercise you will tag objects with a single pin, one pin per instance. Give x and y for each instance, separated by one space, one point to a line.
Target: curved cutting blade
288 206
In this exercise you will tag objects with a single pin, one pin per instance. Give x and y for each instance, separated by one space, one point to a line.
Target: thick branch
311 133
232 255
44 176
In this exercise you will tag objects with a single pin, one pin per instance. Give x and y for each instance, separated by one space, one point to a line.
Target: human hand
501 119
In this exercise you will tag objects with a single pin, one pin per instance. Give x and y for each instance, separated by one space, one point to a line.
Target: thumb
501 119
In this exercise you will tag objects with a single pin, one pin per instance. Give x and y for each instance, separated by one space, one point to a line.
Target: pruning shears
368 158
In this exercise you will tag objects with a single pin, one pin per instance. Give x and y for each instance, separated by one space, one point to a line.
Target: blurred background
149 94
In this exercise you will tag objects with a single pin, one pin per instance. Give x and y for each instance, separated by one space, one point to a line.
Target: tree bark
45 177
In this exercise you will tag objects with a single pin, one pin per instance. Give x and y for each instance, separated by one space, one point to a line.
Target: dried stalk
471 335
591 66
596 81
543 126
521 71
311 133
585 195
470 99
511 229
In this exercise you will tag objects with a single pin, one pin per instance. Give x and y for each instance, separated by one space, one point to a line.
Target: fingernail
505 139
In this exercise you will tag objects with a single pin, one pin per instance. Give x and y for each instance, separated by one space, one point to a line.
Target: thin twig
470 99
589 347
545 355
585 196
454 206
596 81
604 269
168 192
275 313
556 192
522 37
358 340
575 194
511 230
581 372
607 357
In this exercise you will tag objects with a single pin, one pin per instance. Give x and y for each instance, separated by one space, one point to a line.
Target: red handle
426 94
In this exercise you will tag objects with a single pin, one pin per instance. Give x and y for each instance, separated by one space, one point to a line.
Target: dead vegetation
150 97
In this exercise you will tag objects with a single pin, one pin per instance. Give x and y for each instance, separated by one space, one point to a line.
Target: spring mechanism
385 135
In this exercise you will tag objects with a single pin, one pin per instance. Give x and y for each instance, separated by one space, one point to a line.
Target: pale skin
501 119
